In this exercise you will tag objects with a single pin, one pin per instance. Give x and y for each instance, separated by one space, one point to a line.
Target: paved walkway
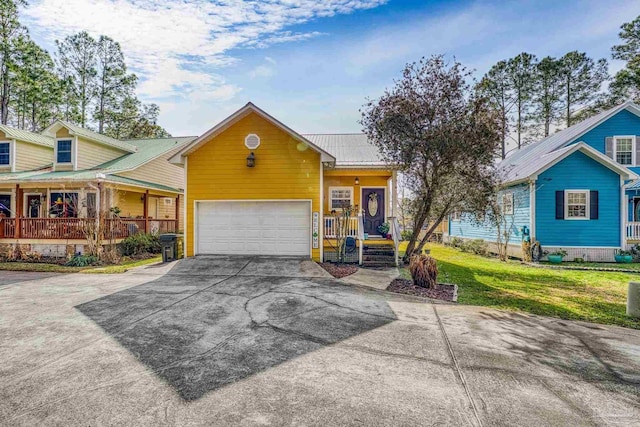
421 364
376 279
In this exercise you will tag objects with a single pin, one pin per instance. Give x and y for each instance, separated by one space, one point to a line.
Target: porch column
177 213
394 193
18 210
146 211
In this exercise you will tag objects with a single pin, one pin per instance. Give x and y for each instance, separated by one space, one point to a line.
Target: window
623 149
340 197
455 216
507 204
5 156
5 205
64 151
91 205
64 205
576 204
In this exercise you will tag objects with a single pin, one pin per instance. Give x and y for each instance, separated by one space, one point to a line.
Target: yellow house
53 183
255 186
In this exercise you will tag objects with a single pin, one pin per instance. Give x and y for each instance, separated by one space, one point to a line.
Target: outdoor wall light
251 160
357 181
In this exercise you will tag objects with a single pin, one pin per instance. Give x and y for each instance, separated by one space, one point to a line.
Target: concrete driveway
259 341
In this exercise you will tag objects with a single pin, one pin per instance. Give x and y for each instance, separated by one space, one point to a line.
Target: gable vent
252 141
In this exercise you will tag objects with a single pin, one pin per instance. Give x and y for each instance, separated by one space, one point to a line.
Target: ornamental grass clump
424 271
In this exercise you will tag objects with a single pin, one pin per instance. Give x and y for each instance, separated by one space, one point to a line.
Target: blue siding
522 216
623 123
578 172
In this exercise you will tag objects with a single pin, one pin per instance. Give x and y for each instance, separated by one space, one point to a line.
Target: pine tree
547 94
626 82
11 35
521 72
582 79
497 88
78 56
114 85
38 88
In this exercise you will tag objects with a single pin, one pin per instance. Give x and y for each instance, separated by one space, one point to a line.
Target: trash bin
172 246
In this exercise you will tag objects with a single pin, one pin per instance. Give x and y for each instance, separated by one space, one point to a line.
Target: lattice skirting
331 255
587 254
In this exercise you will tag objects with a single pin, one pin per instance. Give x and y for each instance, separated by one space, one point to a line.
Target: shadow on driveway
213 321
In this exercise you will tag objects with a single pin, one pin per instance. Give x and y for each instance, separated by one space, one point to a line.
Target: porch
334 227
633 232
75 228
36 211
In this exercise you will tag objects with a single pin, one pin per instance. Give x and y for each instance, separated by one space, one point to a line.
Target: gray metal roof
531 158
349 149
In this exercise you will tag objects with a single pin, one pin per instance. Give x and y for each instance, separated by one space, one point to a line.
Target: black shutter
593 205
559 204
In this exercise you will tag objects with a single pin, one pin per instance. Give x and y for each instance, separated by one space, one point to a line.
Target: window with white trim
64 151
5 154
455 216
507 204
340 197
623 150
576 205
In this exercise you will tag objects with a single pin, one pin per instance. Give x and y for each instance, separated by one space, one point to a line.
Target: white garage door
253 228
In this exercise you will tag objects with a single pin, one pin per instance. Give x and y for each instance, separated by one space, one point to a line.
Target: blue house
576 190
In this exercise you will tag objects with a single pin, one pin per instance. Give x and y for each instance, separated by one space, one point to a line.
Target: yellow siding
346 178
284 169
130 203
91 154
159 171
31 156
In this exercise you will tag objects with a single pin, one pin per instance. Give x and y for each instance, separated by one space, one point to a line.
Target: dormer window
63 153
5 154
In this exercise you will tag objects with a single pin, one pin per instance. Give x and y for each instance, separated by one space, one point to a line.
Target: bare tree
442 137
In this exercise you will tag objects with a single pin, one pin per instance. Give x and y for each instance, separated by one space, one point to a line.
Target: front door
373 204
636 209
33 205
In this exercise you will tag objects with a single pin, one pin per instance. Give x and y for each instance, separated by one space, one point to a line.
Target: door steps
378 255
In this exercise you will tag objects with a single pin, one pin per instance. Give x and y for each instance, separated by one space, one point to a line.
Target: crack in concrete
337 305
567 400
457 369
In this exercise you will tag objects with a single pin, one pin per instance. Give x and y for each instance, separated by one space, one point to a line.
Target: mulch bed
443 292
339 270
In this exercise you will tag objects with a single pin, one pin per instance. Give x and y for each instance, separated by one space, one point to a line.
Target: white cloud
178 47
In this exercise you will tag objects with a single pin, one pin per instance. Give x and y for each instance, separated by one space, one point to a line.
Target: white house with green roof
52 183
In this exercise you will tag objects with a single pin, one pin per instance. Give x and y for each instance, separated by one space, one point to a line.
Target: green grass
591 296
124 267
56 268
40 267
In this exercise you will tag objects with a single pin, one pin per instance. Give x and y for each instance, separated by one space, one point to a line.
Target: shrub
476 246
140 243
82 261
406 234
457 242
424 271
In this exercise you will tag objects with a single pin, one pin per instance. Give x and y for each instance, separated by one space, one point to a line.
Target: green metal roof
82 176
147 150
97 137
23 135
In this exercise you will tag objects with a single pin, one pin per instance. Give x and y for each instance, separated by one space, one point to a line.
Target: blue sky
311 63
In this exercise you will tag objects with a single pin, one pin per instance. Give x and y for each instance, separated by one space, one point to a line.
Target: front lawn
591 296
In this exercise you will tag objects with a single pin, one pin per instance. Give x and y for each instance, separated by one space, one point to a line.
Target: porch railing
7 227
331 227
74 228
633 230
53 228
